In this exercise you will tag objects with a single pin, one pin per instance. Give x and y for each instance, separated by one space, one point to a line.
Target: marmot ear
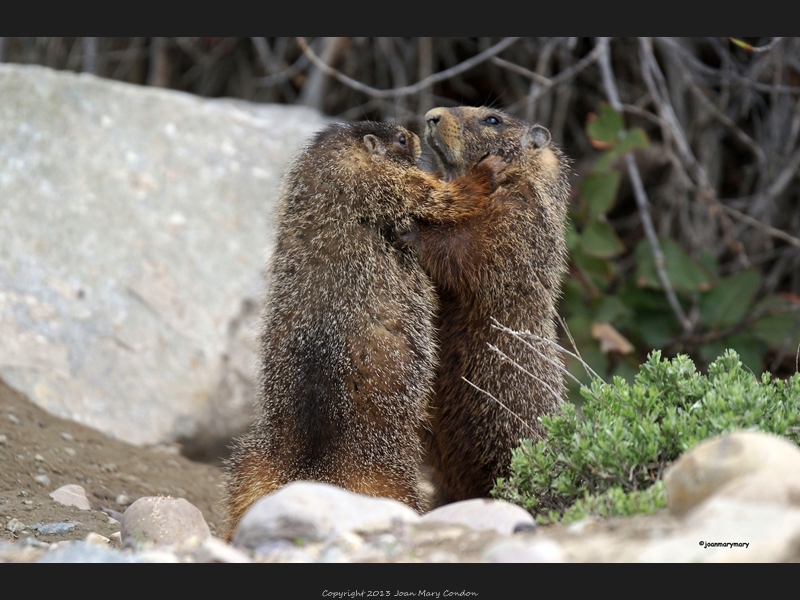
374 145
538 136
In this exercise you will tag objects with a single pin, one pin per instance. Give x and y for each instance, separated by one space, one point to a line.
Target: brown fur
348 349
504 262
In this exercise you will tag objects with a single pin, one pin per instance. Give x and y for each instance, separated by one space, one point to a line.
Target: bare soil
37 443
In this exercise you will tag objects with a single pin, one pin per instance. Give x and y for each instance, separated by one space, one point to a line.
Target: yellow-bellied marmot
505 262
348 349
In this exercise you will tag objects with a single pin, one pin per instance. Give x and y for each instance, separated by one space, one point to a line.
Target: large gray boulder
134 227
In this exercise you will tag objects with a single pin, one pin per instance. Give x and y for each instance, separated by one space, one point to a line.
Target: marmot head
392 142
461 136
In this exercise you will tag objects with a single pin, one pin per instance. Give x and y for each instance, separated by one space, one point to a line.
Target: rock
96 539
214 550
134 227
55 528
724 529
81 552
15 526
71 495
158 520
315 511
745 464
42 480
482 514
522 550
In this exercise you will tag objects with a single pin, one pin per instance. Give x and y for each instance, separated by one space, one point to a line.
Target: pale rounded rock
482 514
516 550
316 511
160 520
15 526
214 550
96 539
71 495
747 464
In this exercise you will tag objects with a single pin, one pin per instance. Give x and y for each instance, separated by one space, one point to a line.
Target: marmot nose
433 116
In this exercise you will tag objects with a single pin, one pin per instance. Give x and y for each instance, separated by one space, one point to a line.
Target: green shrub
607 458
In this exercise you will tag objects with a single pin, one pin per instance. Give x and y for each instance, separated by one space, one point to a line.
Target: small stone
96 539
38 457
518 550
32 542
42 479
56 528
315 511
71 495
81 552
67 436
214 550
15 526
158 556
164 520
482 514
116 537
70 452
123 500
3 439
14 419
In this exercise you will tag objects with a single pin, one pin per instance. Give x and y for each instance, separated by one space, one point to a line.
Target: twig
642 201
316 85
762 226
563 76
717 74
409 89
519 336
508 359
651 71
90 55
749 48
503 405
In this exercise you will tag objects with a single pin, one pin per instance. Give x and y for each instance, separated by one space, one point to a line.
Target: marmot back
347 349
505 262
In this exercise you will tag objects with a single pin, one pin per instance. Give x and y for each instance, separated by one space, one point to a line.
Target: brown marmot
505 262
348 349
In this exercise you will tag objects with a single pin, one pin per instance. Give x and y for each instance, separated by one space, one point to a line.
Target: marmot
506 262
348 348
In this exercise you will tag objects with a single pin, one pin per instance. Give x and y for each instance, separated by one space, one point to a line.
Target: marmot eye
492 121
402 140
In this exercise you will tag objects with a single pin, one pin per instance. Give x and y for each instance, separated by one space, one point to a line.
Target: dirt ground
34 443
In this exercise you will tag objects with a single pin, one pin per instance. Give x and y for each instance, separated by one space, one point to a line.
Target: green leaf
631 140
777 330
600 240
601 272
607 126
657 329
730 300
600 192
684 273
610 309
